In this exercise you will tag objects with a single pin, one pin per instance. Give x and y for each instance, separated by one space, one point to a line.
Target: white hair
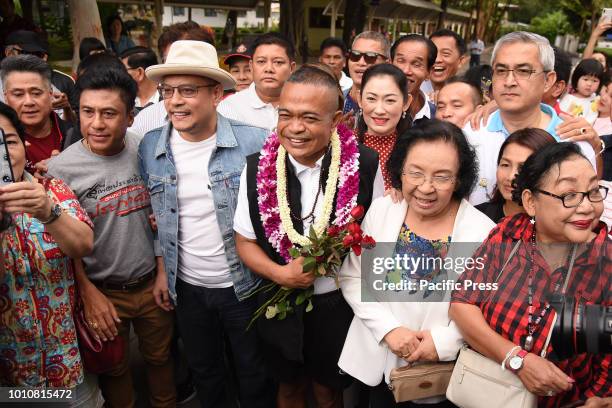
547 54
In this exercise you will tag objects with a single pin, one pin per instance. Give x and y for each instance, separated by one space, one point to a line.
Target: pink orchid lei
346 196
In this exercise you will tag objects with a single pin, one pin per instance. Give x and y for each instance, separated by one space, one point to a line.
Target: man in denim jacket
192 169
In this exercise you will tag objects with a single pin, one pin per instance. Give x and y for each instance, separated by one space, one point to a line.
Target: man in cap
192 168
239 64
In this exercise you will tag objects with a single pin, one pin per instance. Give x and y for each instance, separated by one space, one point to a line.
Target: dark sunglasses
369 57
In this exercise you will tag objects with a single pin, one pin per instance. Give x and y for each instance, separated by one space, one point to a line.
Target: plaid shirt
506 310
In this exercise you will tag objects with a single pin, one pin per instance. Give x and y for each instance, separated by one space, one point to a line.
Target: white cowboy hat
192 58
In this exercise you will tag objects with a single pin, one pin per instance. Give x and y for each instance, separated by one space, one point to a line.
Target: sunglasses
369 57
19 51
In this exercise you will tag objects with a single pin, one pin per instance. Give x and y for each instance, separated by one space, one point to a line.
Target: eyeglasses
19 51
571 200
519 73
439 182
186 91
369 57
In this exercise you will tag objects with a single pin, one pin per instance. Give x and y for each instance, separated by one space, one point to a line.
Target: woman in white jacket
435 168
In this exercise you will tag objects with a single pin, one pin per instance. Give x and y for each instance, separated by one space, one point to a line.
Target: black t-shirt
493 210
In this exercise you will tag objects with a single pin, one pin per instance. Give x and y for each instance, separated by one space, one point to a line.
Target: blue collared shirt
496 124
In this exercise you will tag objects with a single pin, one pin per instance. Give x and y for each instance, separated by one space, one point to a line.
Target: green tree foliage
551 25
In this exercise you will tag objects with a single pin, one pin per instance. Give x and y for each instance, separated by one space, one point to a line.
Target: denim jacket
235 141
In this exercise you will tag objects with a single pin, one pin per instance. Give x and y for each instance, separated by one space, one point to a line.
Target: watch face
516 362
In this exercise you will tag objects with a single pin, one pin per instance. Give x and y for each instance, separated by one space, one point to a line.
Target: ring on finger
93 325
550 393
583 130
406 355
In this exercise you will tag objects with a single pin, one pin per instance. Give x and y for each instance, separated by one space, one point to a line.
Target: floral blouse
38 341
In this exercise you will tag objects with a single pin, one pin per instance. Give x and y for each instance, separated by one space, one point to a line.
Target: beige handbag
479 382
426 380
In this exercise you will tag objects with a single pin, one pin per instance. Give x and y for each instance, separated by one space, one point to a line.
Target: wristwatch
56 211
516 362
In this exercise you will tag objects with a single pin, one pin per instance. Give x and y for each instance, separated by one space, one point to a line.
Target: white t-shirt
246 106
309 181
151 117
201 260
579 106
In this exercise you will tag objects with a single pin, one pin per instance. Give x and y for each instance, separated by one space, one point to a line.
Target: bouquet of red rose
323 256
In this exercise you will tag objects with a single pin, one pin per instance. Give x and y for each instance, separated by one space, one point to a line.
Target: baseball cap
241 51
29 41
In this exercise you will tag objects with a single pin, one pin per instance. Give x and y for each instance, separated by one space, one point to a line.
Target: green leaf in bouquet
300 298
309 264
282 315
294 252
309 306
319 252
282 307
312 234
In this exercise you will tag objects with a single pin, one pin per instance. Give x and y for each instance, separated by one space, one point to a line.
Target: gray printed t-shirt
112 192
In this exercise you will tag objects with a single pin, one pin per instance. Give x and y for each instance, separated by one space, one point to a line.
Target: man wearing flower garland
321 174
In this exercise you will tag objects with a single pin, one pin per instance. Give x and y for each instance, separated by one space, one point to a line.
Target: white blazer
365 356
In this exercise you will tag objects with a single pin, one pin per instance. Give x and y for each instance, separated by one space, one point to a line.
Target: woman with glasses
559 247
434 167
512 154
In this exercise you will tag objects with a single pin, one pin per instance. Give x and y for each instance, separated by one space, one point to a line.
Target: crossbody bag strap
514 249
565 284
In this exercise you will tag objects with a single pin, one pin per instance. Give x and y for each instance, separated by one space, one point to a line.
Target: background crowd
141 204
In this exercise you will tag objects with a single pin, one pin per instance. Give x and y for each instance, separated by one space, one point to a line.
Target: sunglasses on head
369 57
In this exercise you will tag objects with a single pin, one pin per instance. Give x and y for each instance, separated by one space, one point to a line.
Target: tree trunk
355 13
477 19
292 22
442 15
85 21
231 29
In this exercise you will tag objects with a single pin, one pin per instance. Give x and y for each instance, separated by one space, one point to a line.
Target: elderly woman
46 227
434 167
558 247
512 154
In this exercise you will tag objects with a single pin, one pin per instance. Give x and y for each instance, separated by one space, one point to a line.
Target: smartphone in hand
6 170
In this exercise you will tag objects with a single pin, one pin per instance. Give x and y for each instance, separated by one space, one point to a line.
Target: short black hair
333 42
431 131
25 63
106 58
139 57
538 165
111 78
11 115
459 41
563 65
481 76
274 39
318 74
476 91
89 44
588 66
432 50
390 70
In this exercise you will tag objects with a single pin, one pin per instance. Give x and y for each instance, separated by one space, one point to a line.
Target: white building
218 17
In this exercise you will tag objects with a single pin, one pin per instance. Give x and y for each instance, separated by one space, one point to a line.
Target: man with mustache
302 350
272 62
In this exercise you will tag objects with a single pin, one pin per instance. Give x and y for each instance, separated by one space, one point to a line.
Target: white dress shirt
246 106
425 111
345 82
151 117
309 181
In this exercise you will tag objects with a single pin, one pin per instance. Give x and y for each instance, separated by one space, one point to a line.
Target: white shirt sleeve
378 189
588 152
242 217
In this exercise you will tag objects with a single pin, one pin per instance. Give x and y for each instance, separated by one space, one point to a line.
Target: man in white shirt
136 60
333 54
192 168
302 350
523 70
273 61
415 55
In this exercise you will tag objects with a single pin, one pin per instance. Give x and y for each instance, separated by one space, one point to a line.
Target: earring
404 115
360 112
532 220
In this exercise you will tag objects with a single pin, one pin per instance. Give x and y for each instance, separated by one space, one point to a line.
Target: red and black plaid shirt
506 310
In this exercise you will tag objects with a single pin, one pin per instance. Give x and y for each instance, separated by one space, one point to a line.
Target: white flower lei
328 202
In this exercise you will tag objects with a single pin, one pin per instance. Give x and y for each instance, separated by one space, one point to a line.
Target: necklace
86 143
272 186
310 215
